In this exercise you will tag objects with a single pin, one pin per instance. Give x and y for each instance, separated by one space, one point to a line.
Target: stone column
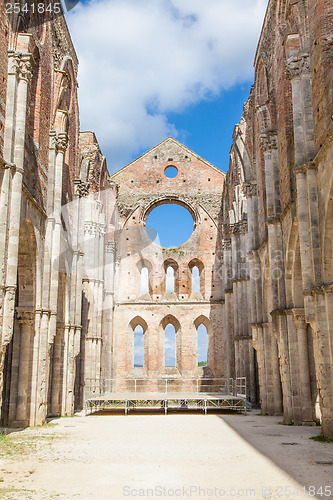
108 306
269 146
280 329
277 391
66 358
20 71
22 63
57 371
258 343
322 331
304 370
294 369
228 318
25 318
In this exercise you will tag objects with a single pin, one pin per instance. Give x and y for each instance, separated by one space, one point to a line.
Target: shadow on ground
290 448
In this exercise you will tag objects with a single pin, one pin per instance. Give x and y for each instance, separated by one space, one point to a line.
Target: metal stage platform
227 394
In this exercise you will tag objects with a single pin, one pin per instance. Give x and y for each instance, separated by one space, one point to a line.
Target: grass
21 444
321 439
19 494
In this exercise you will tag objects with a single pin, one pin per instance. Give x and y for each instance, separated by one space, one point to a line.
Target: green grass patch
21 444
321 439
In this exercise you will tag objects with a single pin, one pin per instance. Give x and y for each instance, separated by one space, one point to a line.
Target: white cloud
140 59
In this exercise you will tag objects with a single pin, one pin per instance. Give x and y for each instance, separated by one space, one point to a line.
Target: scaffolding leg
165 407
126 407
205 406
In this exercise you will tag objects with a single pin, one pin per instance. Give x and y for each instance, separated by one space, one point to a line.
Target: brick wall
4 35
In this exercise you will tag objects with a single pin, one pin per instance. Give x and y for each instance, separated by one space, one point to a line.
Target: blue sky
173 224
207 127
153 68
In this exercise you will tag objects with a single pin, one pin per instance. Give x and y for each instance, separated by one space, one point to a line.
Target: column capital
61 142
81 188
272 220
110 247
268 141
322 289
6 164
299 317
102 229
279 312
239 227
20 64
297 65
24 67
250 189
226 244
25 315
302 169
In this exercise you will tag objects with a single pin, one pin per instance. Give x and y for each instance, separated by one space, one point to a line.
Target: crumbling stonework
142 186
74 248
281 163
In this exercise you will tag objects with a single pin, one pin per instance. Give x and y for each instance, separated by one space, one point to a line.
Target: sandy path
153 456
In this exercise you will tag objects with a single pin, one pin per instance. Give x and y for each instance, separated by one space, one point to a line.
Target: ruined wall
4 34
40 301
142 186
286 130
74 244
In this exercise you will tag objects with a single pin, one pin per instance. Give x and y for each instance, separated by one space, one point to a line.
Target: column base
19 423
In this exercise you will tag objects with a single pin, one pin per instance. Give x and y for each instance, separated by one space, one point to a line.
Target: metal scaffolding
176 394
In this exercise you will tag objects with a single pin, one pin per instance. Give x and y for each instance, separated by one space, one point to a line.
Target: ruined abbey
80 274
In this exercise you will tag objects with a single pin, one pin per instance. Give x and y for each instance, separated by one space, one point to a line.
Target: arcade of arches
87 296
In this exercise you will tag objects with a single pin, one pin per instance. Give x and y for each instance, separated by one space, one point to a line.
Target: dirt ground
155 456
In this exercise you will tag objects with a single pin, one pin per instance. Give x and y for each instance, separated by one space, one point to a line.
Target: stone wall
41 262
141 186
281 162
73 242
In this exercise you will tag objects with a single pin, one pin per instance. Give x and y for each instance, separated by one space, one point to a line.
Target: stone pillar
322 331
258 343
304 369
66 358
108 306
269 146
280 329
277 391
298 67
22 63
294 369
25 318
228 317
57 372
20 71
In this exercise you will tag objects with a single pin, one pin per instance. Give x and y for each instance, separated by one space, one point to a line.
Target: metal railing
222 386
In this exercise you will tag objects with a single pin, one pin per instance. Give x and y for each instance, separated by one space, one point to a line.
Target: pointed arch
196 276
138 344
203 341
143 277
171 270
170 343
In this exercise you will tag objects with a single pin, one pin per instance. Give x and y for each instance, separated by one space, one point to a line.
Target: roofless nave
73 245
